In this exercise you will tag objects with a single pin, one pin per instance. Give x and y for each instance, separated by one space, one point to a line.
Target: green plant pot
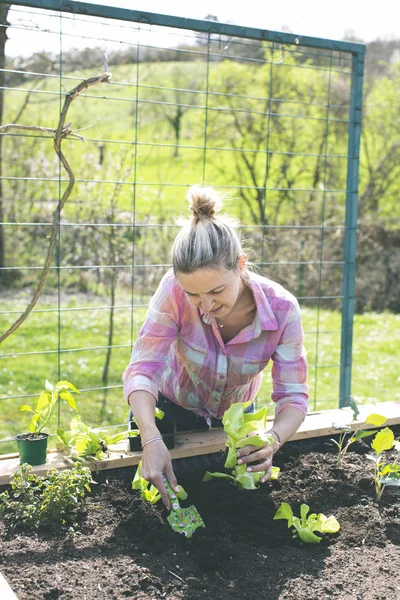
32 449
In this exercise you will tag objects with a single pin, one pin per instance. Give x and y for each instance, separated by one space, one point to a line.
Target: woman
211 328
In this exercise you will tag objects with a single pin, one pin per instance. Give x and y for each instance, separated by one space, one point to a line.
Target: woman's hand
156 462
261 456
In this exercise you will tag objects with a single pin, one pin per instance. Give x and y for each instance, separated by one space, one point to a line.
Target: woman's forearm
143 406
287 422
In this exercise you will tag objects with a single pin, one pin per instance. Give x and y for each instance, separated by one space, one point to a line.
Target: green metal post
350 239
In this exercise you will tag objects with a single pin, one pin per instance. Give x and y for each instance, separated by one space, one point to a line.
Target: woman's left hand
261 456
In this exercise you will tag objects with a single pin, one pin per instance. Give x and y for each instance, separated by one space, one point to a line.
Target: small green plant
305 527
50 501
47 400
347 438
85 442
385 473
243 429
148 491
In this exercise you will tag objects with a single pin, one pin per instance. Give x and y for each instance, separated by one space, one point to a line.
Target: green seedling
148 491
347 438
83 441
385 473
305 527
56 499
47 400
243 429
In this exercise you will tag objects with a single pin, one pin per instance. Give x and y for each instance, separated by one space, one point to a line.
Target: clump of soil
126 548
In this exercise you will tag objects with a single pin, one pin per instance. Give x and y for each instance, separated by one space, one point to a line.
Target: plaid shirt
180 352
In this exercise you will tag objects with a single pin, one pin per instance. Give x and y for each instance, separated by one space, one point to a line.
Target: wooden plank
196 443
6 592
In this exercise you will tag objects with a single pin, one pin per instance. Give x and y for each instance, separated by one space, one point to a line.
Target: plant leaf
358 435
43 401
354 407
70 399
304 510
26 408
328 524
208 476
284 512
275 471
375 419
66 385
383 440
48 386
306 534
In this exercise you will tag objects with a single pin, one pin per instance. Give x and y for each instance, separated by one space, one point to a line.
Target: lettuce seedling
243 429
385 473
85 442
346 440
148 491
305 527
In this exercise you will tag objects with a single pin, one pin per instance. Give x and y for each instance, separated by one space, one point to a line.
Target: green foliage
346 438
85 442
148 491
385 473
305 527
46 402
50 501
244 429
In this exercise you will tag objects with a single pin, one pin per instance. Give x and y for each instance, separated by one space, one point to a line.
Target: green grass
375 368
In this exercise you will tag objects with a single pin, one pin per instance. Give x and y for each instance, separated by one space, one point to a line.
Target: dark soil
126 549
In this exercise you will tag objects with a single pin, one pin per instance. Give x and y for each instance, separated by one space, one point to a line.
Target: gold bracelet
153 439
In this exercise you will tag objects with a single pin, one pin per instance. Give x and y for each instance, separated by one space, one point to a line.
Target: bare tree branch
63 130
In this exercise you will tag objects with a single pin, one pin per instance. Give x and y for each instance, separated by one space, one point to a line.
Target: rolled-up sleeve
150 350
289 369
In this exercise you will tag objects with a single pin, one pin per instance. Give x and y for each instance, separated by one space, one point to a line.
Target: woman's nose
206 304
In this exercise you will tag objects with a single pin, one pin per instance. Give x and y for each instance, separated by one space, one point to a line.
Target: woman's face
215 291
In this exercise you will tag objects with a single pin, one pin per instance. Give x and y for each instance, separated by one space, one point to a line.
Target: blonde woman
211 329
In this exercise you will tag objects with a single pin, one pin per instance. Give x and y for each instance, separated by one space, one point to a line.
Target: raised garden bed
127 550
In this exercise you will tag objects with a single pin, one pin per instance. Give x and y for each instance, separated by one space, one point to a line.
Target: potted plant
32 446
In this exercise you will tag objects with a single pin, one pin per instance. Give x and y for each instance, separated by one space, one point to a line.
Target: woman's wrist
277 440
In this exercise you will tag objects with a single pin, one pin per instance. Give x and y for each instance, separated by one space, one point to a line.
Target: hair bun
204 202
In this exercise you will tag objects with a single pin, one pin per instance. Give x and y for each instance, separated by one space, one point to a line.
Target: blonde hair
207 240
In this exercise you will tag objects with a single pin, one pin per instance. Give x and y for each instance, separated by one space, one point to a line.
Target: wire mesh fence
271 119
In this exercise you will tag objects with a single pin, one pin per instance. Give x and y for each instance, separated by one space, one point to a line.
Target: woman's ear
242 262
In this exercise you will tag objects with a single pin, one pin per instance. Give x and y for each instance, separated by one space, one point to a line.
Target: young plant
50 501
385 473
347 438
85 442
46 402
148 491
305 527
243 429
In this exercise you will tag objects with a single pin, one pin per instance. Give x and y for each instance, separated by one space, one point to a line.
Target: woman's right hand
156 463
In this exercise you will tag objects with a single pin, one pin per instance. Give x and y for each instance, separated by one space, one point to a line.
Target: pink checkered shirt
180 352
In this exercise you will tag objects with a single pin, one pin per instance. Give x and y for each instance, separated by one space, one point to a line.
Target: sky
330 19
336 19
